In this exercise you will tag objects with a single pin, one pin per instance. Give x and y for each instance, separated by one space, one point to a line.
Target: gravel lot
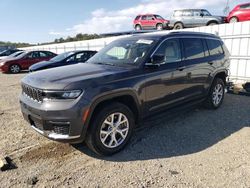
191 148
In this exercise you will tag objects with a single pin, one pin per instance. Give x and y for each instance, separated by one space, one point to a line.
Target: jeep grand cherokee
101 101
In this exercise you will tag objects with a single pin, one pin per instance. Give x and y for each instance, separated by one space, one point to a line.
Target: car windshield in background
62 56
16 54
123 52
159 17
206 13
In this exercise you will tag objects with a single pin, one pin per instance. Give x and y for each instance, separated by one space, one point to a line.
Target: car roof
189 9
163 35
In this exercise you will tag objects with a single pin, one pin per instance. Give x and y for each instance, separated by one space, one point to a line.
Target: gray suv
194 18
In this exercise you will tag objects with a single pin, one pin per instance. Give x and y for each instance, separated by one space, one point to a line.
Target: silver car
194 18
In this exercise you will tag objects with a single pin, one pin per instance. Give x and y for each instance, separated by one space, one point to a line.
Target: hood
61 77
40 65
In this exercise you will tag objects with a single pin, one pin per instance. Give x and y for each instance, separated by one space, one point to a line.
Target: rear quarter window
214 47
193 48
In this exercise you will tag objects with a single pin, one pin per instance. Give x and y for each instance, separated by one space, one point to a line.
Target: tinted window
170 49
143 17
159 17
214 47
247 6
193 48
205 13
197 13
137 17
150 18
33 55
43 54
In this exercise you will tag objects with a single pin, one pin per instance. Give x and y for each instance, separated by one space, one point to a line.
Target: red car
239 13
150 21
24 61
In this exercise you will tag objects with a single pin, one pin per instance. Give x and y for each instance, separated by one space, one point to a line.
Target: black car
101 101
67 58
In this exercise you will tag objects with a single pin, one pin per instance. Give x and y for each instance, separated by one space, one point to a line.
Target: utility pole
226 9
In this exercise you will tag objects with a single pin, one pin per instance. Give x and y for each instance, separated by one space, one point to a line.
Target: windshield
206 13
62 56
16 54
123 52
159 17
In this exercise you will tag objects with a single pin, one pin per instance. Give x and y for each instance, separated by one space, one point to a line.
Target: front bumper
4 69
57 120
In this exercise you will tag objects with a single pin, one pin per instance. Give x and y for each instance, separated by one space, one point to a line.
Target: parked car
101 101
24 61
12 55
8 52
194 18
67 58
150 21
239 13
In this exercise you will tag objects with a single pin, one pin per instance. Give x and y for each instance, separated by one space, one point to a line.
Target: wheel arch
127 98
212 21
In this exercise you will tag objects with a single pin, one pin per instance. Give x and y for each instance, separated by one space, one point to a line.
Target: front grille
64 130
33 93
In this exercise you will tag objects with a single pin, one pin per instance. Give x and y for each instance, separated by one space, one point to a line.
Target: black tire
159 26
233 20
212 23
93 139
210 102
178 26
138 28
14 69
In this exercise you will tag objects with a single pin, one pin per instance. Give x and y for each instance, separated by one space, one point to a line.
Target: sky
44 20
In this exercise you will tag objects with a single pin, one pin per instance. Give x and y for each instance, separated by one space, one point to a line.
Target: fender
109 96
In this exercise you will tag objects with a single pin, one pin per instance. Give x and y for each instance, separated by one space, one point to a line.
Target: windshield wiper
99 63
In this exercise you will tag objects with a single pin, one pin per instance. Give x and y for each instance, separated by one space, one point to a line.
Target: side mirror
157 59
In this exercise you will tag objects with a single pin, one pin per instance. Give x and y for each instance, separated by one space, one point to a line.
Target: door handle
181 68
210 62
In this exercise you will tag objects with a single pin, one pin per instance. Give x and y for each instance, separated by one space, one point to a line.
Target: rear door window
193 48
187 13
214 47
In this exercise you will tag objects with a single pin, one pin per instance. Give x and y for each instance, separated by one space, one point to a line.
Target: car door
196 67
187 17
198 18
164 84
151 22
245 12
30 59
44 56
144 21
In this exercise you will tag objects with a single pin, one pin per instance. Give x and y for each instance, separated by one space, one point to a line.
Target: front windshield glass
62 56
123 52
159 17
206 13
16 54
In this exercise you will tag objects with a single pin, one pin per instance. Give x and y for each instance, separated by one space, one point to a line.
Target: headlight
2 63
48 95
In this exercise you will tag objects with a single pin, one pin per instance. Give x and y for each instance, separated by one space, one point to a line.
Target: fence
236 37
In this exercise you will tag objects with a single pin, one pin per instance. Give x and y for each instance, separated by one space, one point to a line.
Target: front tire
138 28
111 129
178 26
159 27
216 94
14 69
233 20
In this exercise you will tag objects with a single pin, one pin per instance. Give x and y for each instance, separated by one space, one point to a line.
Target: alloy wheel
217 94
114 130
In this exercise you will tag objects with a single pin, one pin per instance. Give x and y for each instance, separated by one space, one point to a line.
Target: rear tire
216 94
111 129
178 26
14 69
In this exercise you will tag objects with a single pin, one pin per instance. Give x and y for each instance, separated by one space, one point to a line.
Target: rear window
193 48
214 47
